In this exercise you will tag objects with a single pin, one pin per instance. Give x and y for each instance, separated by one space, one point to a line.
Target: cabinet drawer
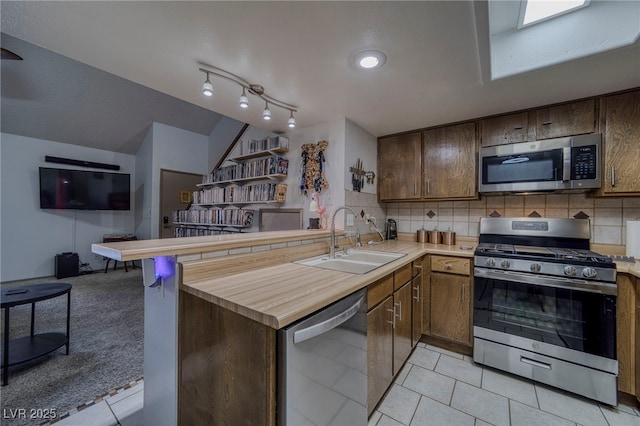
402 276
453 265
379 291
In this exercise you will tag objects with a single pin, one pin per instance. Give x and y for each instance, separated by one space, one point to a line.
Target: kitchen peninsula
235 292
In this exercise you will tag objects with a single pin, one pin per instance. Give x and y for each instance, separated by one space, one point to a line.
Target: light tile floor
435 387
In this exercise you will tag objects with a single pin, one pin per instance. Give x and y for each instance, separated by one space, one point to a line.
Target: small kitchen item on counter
449 237
633 238
435 237
392 229
421 236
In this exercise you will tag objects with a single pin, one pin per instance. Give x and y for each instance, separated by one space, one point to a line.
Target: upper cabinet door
621 134
399 167
450 162
558 121
504 129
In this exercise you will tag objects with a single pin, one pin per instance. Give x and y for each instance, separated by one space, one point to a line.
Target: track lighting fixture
207 87
266 114
244 101
251 88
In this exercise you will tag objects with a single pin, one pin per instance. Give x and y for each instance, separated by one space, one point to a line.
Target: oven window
574 319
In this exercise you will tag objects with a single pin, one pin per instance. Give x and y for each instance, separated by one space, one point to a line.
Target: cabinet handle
417 296
393 317
399 309
462 294
415 188
613 176
517 128
448 266
428 186
546 123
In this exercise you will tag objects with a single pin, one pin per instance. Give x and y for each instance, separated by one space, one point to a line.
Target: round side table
26 348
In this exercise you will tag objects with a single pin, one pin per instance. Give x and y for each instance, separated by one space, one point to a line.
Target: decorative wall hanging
312 168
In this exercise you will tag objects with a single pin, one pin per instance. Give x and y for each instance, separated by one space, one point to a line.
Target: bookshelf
253 177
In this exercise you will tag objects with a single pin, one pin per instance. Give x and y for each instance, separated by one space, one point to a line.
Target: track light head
244 101
207 87
292 121
266 114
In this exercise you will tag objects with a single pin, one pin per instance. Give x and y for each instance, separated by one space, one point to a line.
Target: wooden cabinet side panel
625 325
379 352
637 370
568 119
227 366
450 307
426 295
621 143
450 162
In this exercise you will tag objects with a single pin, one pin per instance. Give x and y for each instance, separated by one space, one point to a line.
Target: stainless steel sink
353 261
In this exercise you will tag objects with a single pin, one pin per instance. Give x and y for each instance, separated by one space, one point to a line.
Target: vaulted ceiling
97 73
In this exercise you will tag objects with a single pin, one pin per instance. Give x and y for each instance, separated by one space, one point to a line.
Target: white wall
224 132
334 196
31 237
360 144
177 150
144 187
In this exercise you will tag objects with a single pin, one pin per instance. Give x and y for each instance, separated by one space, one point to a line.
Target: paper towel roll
633 238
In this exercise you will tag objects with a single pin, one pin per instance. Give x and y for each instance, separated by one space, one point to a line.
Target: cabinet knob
448 266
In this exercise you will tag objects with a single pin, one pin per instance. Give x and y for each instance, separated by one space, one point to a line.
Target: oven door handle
573 284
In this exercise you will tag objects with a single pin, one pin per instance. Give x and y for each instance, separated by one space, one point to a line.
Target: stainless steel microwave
571 163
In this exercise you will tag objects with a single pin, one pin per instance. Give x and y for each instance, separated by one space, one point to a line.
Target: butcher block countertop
282 294
145 249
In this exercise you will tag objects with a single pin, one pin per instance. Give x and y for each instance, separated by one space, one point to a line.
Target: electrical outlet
349 219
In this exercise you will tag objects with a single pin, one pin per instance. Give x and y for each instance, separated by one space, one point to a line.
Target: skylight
533 11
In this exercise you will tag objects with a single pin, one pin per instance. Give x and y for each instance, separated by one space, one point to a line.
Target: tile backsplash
608 216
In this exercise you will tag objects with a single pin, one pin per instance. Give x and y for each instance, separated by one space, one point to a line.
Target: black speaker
67 265
81 163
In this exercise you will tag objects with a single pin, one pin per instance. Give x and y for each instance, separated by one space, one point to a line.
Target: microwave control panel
583 162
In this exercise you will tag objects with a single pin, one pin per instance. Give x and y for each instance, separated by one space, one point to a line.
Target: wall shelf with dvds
253 177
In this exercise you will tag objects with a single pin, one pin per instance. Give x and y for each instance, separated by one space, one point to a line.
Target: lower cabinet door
416 309
402 331
379 351
450 307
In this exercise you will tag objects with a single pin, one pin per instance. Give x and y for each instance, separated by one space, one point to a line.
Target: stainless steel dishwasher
322 366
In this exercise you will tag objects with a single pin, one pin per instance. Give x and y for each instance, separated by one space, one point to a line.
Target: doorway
175 194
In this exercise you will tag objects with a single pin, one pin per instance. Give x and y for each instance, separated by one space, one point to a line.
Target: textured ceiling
437 56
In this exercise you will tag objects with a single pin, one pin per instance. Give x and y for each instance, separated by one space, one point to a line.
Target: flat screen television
84 190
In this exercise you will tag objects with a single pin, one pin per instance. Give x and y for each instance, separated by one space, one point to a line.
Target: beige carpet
106 349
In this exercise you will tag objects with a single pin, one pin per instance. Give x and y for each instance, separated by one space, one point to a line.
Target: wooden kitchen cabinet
451 298
575 118
620 124
637 370
379 351
400 167
417 284
504 129
450 162
625 330
389 328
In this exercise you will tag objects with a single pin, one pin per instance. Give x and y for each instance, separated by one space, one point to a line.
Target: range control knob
505 264
570 270
491 262
589 273
535 267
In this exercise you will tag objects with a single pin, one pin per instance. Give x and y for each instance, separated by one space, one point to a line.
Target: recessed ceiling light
368 60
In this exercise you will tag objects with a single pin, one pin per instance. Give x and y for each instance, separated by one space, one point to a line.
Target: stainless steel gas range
545 305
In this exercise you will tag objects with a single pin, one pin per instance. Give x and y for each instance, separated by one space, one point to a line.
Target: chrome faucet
332 249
